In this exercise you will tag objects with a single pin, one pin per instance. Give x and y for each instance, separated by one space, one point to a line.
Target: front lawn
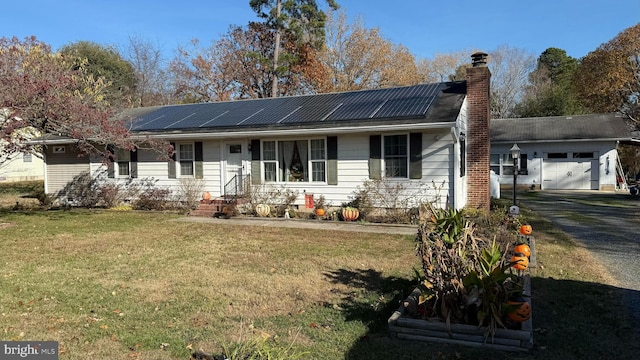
139 285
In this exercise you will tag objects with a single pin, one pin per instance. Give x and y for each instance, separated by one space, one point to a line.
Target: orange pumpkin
526 229
350 214
522 311
320 212
523 249
206 195
520 262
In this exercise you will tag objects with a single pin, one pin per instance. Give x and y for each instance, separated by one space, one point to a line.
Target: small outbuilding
561 152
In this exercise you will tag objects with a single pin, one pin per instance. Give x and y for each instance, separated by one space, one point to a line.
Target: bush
190 192
150 197
279 198
388 201
82 191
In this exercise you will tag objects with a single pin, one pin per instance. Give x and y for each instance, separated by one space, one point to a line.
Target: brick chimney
478 142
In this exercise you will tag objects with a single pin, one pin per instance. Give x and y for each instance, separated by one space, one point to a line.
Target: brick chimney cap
479 59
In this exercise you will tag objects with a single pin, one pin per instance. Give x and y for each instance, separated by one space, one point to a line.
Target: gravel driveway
605 223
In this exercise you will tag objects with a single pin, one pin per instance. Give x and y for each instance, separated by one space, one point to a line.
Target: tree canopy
42 92
358 58
609 77
302 20
104 62
551 90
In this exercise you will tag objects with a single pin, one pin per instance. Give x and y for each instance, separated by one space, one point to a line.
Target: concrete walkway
309 224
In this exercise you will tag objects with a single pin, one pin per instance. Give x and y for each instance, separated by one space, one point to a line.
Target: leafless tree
153 86
510 68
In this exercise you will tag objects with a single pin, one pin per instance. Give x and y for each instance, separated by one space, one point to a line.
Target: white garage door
570 174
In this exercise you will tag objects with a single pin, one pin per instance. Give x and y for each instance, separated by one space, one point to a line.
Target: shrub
82 191
279 198
385 200
189 192
150 197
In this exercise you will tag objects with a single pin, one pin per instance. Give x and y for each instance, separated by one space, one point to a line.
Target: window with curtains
185 158
294 160
396 158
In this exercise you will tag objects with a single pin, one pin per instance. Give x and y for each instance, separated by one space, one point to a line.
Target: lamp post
515 154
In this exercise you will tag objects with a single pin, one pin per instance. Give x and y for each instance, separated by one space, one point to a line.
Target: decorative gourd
526 229
350 214
522 311
523 249
206 195
320 212
263 210
520 262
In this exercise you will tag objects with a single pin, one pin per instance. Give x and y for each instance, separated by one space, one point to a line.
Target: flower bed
403 327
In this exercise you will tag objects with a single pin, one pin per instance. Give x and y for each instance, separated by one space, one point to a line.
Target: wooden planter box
461 334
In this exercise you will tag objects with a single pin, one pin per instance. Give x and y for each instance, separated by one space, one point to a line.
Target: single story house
561 152
21 167
433 135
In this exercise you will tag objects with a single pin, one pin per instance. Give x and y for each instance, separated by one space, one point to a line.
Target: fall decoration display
320 212
520 262
350 214
263 210
206 195
522 311
523 249
526 229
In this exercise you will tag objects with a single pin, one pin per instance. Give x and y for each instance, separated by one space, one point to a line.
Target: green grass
139 285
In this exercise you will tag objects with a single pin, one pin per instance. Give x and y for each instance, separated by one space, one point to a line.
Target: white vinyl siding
63 167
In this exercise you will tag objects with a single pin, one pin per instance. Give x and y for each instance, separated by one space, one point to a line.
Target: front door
233 168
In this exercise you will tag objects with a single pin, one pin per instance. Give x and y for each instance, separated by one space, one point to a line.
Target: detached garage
561 152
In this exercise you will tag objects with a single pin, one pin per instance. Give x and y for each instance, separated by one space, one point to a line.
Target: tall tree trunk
276 52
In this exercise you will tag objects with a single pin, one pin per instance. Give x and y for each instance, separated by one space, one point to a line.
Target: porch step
209 208
214 207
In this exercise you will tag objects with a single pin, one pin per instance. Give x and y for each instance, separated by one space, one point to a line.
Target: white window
27 157
123 160
502 164
396 159
294 160
185 158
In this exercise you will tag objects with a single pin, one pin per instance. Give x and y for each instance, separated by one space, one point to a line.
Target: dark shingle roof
559 128
438 102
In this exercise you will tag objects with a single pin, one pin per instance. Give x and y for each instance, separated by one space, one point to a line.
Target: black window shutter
133 163
172 162
375 155
255 162
523 165
198 157
111 173
415 156
463 156
332 160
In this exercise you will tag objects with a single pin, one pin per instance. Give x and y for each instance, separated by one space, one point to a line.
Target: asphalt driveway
605 223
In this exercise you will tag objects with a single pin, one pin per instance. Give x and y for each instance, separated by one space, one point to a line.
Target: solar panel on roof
410 101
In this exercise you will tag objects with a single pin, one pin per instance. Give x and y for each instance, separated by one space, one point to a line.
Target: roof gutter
301 131
510 142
